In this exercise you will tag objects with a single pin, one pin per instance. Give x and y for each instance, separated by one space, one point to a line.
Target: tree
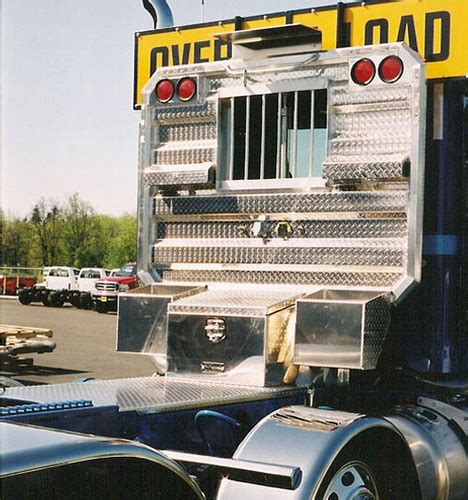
16 242
79 228
122 247
46 221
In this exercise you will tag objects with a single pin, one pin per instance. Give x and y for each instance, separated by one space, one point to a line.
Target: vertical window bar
262 152
312 126
278 141
284 135
247 138
231 142
293 167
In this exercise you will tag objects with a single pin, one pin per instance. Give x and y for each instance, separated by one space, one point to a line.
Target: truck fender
437 435
319 442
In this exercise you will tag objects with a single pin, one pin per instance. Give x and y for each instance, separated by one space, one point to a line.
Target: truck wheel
371 471
101 308
85 301
55 299
74 300
46 299
24 296
353 480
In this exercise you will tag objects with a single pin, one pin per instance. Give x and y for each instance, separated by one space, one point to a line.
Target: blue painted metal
440 244
220 433
430 322
176 430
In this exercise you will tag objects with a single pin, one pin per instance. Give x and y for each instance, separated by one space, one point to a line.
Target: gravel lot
85 345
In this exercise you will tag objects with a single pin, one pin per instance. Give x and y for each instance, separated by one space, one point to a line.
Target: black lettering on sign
429 46
371 25
407 32
219 45
176 54
163 53
199 46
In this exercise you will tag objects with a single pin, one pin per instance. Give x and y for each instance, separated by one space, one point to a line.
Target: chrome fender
308 438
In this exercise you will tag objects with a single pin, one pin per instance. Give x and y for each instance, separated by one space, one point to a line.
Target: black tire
56 299
101 308
75 300
379 462
24 296
46 299
85 301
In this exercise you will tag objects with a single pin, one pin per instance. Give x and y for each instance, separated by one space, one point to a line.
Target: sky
68 124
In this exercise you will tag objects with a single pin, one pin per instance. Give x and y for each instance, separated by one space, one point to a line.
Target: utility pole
202 13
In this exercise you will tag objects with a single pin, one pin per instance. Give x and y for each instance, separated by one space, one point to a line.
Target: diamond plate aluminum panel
335 72
382 279
341 329
352 167
180 115
151 394
352 145
364 228
377 321
362 201
184 156
187 175
268 255
256 303
182 133
340 94
397 123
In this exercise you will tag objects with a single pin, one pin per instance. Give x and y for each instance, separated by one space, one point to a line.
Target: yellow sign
437 29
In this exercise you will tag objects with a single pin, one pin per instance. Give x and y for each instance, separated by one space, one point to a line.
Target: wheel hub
353 481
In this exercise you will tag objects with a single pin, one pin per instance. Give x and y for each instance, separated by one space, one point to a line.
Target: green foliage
68 233
122 247
16 242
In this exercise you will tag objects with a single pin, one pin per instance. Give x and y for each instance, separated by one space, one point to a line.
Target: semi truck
302 240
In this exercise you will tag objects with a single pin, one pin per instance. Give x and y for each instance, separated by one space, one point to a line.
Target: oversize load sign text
437 29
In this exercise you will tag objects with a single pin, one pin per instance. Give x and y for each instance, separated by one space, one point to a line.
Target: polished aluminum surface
362 278
437 447
307 438
373 134
142 319
358 226
319 201
337 167
341 329
151 394
255 347
279 476
259 302
165 255
185 175
26 449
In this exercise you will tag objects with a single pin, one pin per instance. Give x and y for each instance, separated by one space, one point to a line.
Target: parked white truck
65 284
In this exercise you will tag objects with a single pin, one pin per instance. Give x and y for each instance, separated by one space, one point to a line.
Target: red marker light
186 89
363 72
164 90
391 69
